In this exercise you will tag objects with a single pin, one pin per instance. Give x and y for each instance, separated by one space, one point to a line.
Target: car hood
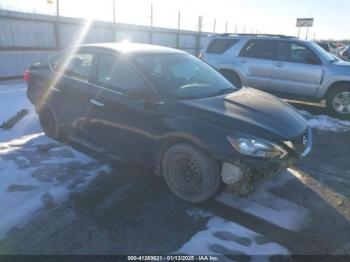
252 112
342 64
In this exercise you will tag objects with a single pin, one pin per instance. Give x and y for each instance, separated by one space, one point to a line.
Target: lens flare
78 41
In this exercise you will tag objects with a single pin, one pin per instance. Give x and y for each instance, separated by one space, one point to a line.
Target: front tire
190 174
338 102
49 122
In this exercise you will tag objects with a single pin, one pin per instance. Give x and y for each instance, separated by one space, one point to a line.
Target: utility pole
198 37
113 11
307 32
178 29
114 29
151 28
214 26
151 14
57 9
56 24
235 29
226 25
200 23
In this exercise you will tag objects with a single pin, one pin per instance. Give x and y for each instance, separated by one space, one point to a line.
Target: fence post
198 36
114 30
56 25
151 28
178 30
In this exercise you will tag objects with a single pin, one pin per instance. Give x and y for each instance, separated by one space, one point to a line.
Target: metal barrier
26 38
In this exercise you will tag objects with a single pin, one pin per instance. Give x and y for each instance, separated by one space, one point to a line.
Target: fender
210 138
235 69
330 82
166 141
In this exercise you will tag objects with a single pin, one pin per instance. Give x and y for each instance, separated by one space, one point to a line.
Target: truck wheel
232 77
49 122
338 102
190 174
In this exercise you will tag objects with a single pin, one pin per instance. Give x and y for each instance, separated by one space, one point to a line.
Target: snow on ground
225 237
326 123
35 171
263 204
12 99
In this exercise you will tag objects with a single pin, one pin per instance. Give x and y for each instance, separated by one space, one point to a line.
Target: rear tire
338 102
232 77
49 122
190 174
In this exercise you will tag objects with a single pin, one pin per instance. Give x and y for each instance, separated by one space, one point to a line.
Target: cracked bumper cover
246 169
244 174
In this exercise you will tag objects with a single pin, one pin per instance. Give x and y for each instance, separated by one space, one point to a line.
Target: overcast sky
332 17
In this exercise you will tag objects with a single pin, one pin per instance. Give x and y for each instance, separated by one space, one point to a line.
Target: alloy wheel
341 103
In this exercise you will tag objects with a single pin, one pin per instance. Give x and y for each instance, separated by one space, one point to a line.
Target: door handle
279 64
96 103
243 61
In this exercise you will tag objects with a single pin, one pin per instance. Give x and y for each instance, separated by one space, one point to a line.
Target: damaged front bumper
244 174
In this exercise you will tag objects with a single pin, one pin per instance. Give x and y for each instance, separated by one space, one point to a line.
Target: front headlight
256 147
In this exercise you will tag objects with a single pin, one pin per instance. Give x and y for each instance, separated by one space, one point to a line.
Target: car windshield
323 53
183 75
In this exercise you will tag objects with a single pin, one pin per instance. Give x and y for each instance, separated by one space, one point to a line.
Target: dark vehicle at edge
169 110
345 54
325 46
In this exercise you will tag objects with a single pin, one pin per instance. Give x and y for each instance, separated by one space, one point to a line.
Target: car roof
133 48
255 36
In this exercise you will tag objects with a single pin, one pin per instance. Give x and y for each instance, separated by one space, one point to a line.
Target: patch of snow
198 213
13 98
35 171
326 123
224 237
265 205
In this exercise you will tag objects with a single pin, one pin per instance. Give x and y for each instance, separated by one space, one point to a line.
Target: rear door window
116 74
77 65
219 46
262 49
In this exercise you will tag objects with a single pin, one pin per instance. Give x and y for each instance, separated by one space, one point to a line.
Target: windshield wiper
221 92
224 91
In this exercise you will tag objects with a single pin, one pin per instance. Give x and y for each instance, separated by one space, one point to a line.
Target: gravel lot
80 203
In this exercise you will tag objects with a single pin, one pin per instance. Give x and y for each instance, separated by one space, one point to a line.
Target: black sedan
167 109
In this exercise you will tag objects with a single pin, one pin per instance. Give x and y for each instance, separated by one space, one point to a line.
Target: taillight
200 56
26 75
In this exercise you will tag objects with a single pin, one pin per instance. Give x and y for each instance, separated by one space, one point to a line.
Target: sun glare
337 201
78 41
